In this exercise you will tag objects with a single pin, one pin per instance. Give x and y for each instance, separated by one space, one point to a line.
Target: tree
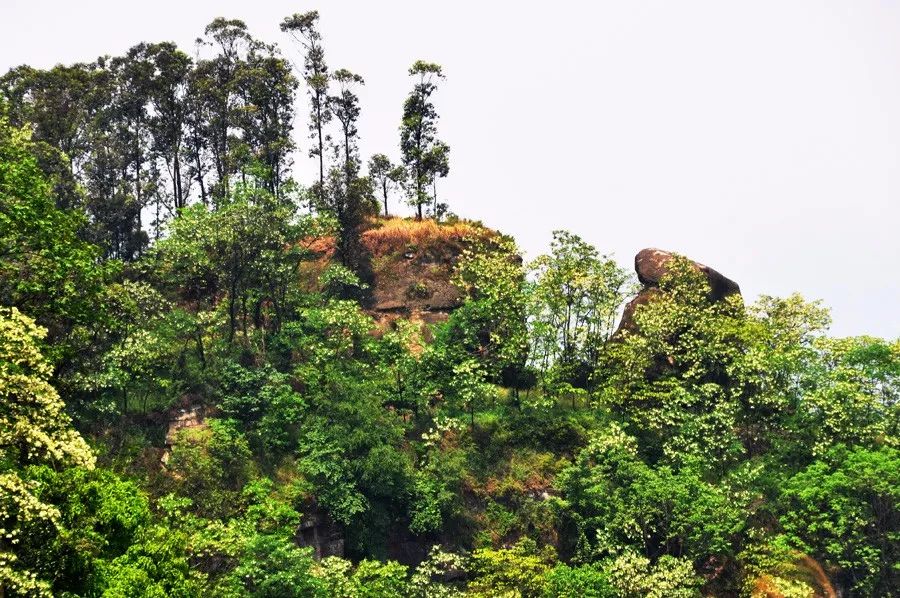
302 27
197 119
134 73
574 302
245 252
219 93
121 178
490 325
845 509
46 269
211 464
349 196
437 164
168 123
35 430
345 107
58 105
100 516
267 89
134 359
385 176
852 394
424 156
616 500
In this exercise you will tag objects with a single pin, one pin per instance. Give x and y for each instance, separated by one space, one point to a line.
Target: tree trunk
200 180
321 149
179 200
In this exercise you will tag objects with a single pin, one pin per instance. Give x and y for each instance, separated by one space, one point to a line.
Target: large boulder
652 265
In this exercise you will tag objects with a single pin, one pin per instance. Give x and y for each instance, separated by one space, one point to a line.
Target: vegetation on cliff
271 389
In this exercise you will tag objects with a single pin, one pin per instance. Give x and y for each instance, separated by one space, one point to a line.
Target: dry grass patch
394 235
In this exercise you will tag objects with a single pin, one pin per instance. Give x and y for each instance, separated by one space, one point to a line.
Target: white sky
759 137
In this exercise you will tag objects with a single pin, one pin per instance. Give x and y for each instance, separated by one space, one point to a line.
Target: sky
761 138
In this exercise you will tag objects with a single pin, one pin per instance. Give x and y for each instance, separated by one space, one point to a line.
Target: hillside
218 380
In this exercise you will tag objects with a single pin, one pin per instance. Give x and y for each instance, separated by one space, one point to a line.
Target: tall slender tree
302 28
197 118
350 195
116 175
231 38
345 107
133 74
167 94
418 135
267 90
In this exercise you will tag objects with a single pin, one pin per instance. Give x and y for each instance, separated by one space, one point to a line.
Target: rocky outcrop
186 417
417 281
652 265
318 531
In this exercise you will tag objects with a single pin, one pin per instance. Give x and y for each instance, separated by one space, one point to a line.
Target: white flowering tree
34 430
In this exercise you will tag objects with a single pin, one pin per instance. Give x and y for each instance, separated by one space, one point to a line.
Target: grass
395 235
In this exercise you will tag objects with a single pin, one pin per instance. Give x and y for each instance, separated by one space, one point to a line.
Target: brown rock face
642 298
651 265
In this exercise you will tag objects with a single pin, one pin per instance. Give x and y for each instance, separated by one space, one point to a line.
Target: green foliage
271 565
245 248
770 561
269 410
617 503
369 579
586 581
519 571
438 477
100 517
426 580
254 552
845 509
855 393
34 430
211 464
572 309
46 269
154 566
711 447
491 322
634 576
136 351
322 462
33 426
